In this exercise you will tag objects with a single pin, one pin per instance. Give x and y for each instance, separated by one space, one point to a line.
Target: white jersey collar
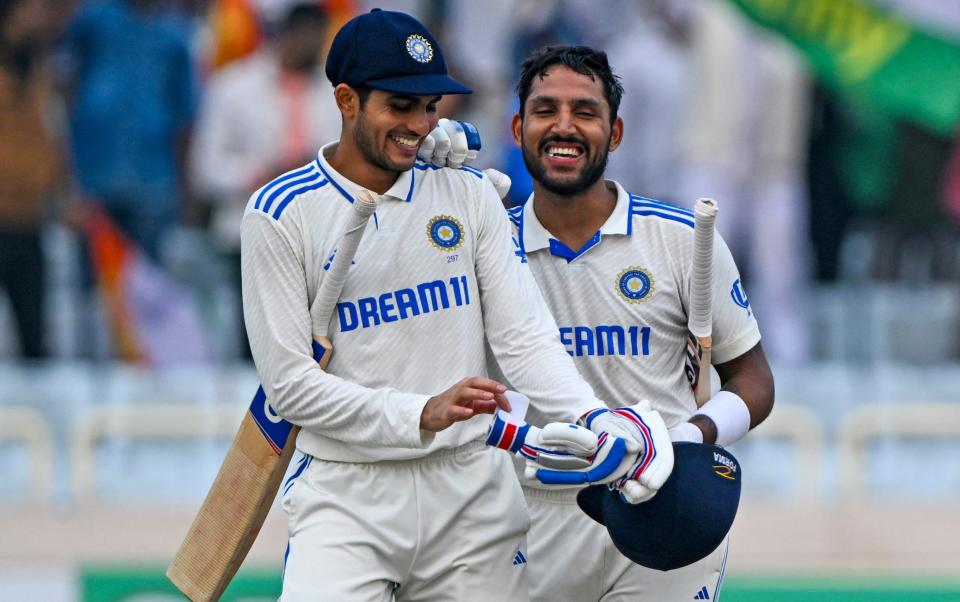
533 236
402 189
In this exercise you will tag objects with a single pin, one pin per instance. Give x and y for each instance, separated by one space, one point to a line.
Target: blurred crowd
135 131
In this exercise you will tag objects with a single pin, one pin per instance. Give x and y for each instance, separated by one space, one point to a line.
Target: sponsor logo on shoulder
739 296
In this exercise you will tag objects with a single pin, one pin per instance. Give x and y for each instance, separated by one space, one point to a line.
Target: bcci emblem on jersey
634 284
445 233
419 48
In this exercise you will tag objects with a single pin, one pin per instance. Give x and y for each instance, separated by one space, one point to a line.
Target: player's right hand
450 144
647 436
464 400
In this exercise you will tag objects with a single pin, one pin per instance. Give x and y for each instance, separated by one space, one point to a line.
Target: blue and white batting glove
608 464
450 144
455 144
647 437
562 453
559 446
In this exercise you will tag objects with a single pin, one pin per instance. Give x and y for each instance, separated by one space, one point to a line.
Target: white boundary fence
801 428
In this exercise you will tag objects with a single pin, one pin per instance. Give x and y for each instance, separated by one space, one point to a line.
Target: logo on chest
445 233
634 284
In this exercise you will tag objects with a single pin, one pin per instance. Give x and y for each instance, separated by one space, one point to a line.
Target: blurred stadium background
131 131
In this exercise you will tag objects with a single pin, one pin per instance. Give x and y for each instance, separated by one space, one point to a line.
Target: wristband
730 415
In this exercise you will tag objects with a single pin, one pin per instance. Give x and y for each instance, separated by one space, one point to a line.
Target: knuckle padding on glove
569 436
618 450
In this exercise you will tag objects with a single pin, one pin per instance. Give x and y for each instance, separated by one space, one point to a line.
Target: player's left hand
450 144
647 436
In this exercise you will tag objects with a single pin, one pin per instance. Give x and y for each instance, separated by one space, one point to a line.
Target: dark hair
363 93
582 59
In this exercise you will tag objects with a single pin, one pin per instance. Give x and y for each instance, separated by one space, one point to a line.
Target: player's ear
616 134
516 126
348 101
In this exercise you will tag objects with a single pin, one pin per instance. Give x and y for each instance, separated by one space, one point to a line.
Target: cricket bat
243 492
700 320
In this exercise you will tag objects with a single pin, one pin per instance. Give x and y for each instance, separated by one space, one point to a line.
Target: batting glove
557 445
562 453
647 436
450 144
608 464
500 181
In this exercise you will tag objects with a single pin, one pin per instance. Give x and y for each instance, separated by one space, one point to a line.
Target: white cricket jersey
434 279
621 301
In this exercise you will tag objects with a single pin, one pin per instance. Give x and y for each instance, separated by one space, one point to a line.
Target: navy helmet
685 521
390 51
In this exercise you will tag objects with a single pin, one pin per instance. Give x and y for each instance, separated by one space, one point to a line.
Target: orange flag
154 318
236 31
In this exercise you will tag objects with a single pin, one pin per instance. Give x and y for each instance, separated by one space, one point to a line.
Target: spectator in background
29 163
745 145
132 102
260 117
653 58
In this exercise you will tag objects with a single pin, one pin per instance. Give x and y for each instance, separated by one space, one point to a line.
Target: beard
588 176
366 143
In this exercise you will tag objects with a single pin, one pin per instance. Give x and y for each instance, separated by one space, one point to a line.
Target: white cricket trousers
450 526
573 559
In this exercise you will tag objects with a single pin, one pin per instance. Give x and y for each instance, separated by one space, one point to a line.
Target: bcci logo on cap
634 284
445 232
419 48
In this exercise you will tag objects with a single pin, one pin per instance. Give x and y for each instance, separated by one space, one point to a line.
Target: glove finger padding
458 142
654 465
603 420
608 464
558 445
451 144
633 492
442 148
427 146
500 181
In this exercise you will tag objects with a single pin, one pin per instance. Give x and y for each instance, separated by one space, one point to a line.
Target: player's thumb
500 181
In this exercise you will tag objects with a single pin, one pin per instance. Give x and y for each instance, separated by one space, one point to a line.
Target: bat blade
700 321
240 498
233 512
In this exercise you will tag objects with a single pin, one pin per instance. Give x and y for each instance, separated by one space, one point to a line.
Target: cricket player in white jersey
396 498
615 268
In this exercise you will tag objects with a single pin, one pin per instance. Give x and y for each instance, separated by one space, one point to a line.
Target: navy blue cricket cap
685 521
390 51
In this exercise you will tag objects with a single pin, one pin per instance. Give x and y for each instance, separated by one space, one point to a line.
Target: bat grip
331 286
701 299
